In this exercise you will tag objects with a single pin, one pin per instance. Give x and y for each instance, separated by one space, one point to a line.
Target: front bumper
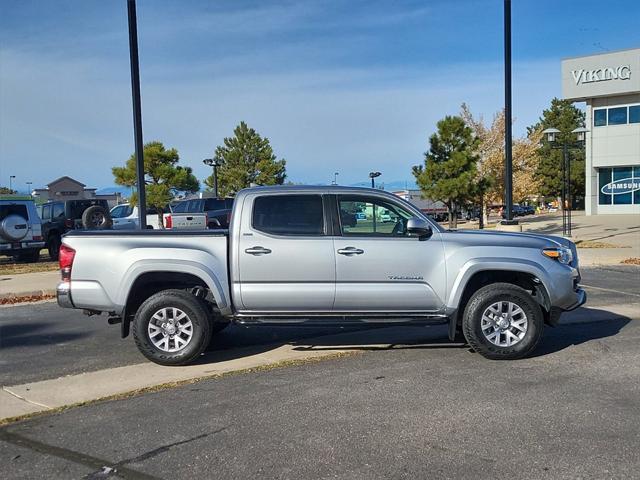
63 295
581 299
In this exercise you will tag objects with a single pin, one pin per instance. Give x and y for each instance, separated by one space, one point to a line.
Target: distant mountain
124 191
390 186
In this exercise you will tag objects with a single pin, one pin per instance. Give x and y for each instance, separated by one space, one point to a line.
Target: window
623 174
370 216
289 214
58 210
634 114
617 116
46 212
121 211
218 203
600 117
180 207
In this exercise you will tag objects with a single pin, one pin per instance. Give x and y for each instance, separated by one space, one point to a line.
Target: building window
604 177
600 117
621 186
617 116
634 114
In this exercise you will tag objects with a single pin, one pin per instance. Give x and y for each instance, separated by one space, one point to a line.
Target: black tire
29 257
485 297
96 218
197 313
53 246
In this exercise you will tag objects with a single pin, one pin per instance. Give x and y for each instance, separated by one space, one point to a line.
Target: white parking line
611 290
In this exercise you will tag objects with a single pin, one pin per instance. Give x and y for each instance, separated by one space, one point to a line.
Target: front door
286 261
379 267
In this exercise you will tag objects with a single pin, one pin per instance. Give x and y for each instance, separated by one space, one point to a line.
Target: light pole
508 161
29 187
137 112
11 177
372 176
335 178
551 134
215 163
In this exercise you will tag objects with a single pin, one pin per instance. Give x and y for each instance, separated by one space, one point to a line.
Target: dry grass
9 267
631 261
26 298
597 244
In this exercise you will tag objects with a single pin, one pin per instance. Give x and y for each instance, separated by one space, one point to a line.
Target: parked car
61 217
125 217
20 228
529 209
288 257
516 210
217 210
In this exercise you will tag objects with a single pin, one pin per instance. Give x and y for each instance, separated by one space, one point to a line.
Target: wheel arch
475 275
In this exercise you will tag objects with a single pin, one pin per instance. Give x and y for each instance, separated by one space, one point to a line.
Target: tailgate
188 221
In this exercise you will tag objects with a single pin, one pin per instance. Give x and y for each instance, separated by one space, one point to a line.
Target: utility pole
137 112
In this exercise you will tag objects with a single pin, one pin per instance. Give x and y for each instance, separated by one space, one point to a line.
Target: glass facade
616 116
619 186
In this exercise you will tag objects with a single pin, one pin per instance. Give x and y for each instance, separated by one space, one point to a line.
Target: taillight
37 238
206 220
168 222
228 218
68 223
66 261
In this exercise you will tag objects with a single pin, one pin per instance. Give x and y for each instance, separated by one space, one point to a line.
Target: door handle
350 251
257 251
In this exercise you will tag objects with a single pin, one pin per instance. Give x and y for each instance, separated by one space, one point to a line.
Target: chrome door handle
350 251
257 251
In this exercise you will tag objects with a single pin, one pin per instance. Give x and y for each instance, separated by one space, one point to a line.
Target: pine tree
564 116
246 159
163 176
449 173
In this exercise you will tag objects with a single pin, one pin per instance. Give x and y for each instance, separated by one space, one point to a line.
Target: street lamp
335 178
215 163
551 135
11 177
372 176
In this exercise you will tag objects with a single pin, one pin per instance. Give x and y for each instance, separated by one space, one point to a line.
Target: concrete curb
31 293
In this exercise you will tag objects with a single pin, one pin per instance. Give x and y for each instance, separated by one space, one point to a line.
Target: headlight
562 254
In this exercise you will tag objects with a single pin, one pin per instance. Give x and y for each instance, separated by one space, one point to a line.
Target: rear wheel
503 322
29 257
172 327
53 247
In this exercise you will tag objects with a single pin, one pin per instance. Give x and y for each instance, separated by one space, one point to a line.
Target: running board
339 320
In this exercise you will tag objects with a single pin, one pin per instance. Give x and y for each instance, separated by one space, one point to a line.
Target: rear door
379 267
286 261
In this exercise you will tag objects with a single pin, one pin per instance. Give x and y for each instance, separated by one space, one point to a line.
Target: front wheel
172 327
503 321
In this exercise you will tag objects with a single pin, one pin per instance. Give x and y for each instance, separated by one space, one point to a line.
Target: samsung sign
622 72
626 185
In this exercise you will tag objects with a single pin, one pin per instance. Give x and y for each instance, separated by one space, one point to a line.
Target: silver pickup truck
319 256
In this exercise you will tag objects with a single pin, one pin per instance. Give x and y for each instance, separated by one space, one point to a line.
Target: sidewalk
28 284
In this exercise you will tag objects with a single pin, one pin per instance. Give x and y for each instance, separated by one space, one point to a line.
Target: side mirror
419 227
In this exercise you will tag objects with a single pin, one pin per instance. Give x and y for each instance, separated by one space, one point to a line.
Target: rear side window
180 207
289 214
13 209
58 210
46 212
218 203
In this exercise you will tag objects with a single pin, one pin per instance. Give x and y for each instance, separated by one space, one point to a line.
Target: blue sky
346 86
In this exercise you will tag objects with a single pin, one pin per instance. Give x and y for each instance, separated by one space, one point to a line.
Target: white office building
609 83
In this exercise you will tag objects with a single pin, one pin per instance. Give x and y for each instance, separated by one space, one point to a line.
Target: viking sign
626 185
623 72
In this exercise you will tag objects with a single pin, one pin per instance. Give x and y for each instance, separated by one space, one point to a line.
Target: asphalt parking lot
430 409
